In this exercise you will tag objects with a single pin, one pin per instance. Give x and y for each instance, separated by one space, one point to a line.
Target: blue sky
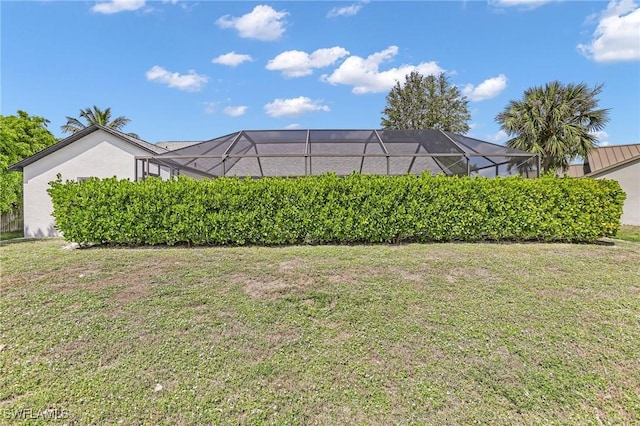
194 70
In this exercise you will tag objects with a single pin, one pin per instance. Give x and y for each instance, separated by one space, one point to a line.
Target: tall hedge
330 209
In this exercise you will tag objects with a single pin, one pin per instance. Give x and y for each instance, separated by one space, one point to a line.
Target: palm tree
95 115
556 121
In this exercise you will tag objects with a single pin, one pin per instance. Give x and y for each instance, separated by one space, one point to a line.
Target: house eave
607 169
20 165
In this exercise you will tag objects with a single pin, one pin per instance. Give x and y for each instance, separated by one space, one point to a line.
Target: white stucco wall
628 176
98 154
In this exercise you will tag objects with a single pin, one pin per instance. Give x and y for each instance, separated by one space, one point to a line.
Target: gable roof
151 148
603 159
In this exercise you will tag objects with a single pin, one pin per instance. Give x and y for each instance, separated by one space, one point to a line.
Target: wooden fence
12 221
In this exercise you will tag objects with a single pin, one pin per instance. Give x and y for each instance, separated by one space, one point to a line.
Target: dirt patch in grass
70 350
347 277
274 289
467 273
411 276
132 293
290 265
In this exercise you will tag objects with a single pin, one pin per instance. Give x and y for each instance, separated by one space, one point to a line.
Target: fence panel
12 221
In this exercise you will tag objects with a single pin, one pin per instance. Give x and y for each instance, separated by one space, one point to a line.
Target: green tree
556 121
426 103
21 136
95 115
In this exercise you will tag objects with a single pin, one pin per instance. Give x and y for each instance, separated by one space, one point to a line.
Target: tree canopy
95 115
426 103
21 136
557 121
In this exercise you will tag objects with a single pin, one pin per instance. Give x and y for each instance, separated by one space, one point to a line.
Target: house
101 152
617 162
96 151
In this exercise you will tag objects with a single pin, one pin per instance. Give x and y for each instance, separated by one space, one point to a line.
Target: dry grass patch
467 273
271 289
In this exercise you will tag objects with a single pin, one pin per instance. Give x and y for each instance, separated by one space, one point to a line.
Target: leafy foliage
329 209
426 103
21 136
557 121
95 115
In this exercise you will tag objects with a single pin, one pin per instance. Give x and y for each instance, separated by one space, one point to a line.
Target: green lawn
409 334
629 233
10 235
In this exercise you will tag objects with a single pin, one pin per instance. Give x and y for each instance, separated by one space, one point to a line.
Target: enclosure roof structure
259 153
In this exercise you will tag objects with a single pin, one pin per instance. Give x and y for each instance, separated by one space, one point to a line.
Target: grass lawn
629 233
10 235
409 334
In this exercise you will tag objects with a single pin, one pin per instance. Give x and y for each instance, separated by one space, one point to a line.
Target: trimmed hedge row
330 209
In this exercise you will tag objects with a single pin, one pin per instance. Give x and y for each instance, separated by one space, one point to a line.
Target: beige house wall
98 154
628 175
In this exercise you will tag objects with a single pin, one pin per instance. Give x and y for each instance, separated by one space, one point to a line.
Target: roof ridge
615 146
136 140
79 135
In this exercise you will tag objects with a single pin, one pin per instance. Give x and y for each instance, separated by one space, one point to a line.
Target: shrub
331 209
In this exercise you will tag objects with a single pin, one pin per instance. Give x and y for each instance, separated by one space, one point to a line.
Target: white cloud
294 107
184 5
602 137
235 111
500 136
617 37
524 4
262 23
115 6
365 76
488 89
292 126
295 63
190 82
232 59
350 10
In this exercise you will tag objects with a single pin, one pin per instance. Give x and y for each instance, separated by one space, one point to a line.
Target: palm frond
556 121
94 115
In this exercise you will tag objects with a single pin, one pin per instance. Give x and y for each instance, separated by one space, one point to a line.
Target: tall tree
426 103
21 136
556 121
95 115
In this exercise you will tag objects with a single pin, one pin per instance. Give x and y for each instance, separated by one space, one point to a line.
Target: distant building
617 162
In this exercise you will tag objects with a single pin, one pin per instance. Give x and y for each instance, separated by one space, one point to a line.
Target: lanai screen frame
171 162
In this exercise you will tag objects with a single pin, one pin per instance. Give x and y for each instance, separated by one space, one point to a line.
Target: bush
330 209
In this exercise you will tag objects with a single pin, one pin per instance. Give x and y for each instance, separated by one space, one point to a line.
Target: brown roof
576 170
604 158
